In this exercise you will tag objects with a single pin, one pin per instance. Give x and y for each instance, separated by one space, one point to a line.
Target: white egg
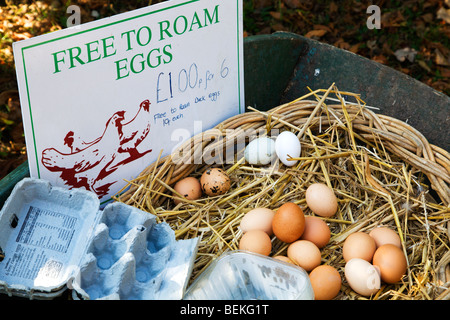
362 276
287 145
260 151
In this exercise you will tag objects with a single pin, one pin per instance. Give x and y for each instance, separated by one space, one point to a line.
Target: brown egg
316 231
305 254
288 222
384 235
326 282
189 188
359 245
321 200
215 182
283 258
391 262
256 241
258 218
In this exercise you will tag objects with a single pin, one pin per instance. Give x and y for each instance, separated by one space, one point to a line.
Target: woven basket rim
401 139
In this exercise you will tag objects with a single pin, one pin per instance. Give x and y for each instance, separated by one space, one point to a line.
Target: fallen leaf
333 7
262 4
20 36
405 53
428 17
4 117
386 49
358 7
293 4
354 48
380 59
405 70
393 19
265 30
424 65
322 27
441 59
279 27
275 15
440 85
444 14
342 44
445 72
316 33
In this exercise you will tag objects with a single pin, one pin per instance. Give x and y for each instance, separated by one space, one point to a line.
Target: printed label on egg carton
53 239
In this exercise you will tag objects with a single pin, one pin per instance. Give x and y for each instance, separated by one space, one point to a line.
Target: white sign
102 99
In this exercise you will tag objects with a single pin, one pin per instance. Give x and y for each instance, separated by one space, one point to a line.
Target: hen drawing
88 163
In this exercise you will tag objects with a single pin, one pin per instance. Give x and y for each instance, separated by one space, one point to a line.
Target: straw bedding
383 172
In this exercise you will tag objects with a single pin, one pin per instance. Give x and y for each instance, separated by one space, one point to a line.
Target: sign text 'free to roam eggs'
101 100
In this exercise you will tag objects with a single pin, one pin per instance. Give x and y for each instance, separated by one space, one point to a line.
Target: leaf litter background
414 38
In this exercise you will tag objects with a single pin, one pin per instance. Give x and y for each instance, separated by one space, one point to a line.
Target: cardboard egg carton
52 239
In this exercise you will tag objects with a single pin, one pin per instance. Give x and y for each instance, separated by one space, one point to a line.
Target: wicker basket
383 171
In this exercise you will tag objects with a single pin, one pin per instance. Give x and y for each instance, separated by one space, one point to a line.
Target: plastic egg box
52 239
243 275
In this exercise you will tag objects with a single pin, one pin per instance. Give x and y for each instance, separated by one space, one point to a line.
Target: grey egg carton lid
53 239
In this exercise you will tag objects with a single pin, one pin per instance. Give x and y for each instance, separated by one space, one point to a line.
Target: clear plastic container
241 275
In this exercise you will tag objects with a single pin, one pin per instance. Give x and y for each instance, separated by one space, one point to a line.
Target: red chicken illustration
131 137
90 162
